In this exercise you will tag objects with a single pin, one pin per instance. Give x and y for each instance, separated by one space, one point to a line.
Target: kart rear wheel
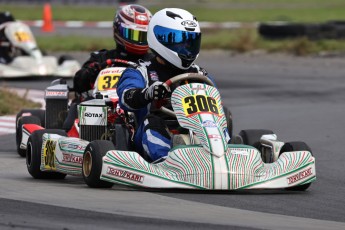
252 136
228 116
296 146
64 58
92 163
40 113
19 131
33 155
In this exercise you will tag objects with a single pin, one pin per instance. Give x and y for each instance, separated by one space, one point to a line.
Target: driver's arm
134 93
130 90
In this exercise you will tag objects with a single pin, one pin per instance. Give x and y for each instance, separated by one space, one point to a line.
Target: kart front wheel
33 155
92 163
19 131
296 146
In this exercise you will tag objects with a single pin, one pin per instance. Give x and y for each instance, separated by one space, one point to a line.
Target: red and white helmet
130 28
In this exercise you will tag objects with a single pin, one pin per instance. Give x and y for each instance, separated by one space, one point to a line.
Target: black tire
274 31
33 155
19 128
121 138
228 116
296 146
64 58
252 136
92 163
40 113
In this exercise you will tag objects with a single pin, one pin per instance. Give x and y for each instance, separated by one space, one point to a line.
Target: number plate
196 104
108 78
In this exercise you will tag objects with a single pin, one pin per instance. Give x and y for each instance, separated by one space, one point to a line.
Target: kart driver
129 31
174 37
6 52
130 35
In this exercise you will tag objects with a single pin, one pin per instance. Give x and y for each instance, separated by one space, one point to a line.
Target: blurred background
299 27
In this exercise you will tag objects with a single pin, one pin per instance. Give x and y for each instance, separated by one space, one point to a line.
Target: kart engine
93 120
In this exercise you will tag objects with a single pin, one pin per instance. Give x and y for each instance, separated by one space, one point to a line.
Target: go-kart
50 151
57 104
203 158
29 60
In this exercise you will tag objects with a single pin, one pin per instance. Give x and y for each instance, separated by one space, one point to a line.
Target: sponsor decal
56 93
299 176
93 115
112 70
72 158
125 174
239 152
199 88
189 23
75 146
26 114
141 17
214 136
153 75
209 124
141 27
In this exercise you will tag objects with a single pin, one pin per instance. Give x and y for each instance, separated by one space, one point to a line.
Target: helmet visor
132 34
184 43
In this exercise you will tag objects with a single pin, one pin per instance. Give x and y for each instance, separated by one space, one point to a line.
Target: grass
218 11
246 40
12 103
243 40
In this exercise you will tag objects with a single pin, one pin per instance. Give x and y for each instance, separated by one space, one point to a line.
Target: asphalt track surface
298 98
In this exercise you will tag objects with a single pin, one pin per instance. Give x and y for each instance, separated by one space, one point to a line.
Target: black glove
94 68
156 91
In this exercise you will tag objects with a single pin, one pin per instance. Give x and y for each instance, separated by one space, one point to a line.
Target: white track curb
109 24
7 123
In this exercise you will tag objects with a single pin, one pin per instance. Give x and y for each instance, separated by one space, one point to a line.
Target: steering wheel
179 78
110 62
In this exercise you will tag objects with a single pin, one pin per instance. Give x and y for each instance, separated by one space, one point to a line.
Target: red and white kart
57 105
97 119
29 60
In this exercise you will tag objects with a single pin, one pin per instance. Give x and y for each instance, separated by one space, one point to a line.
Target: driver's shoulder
103 53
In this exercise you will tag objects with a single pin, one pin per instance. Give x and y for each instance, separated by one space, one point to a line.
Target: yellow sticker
49 155
22 36
196 104
108 81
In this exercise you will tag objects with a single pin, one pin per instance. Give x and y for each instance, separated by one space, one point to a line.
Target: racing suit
152 138
85 78
5 45
6 55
